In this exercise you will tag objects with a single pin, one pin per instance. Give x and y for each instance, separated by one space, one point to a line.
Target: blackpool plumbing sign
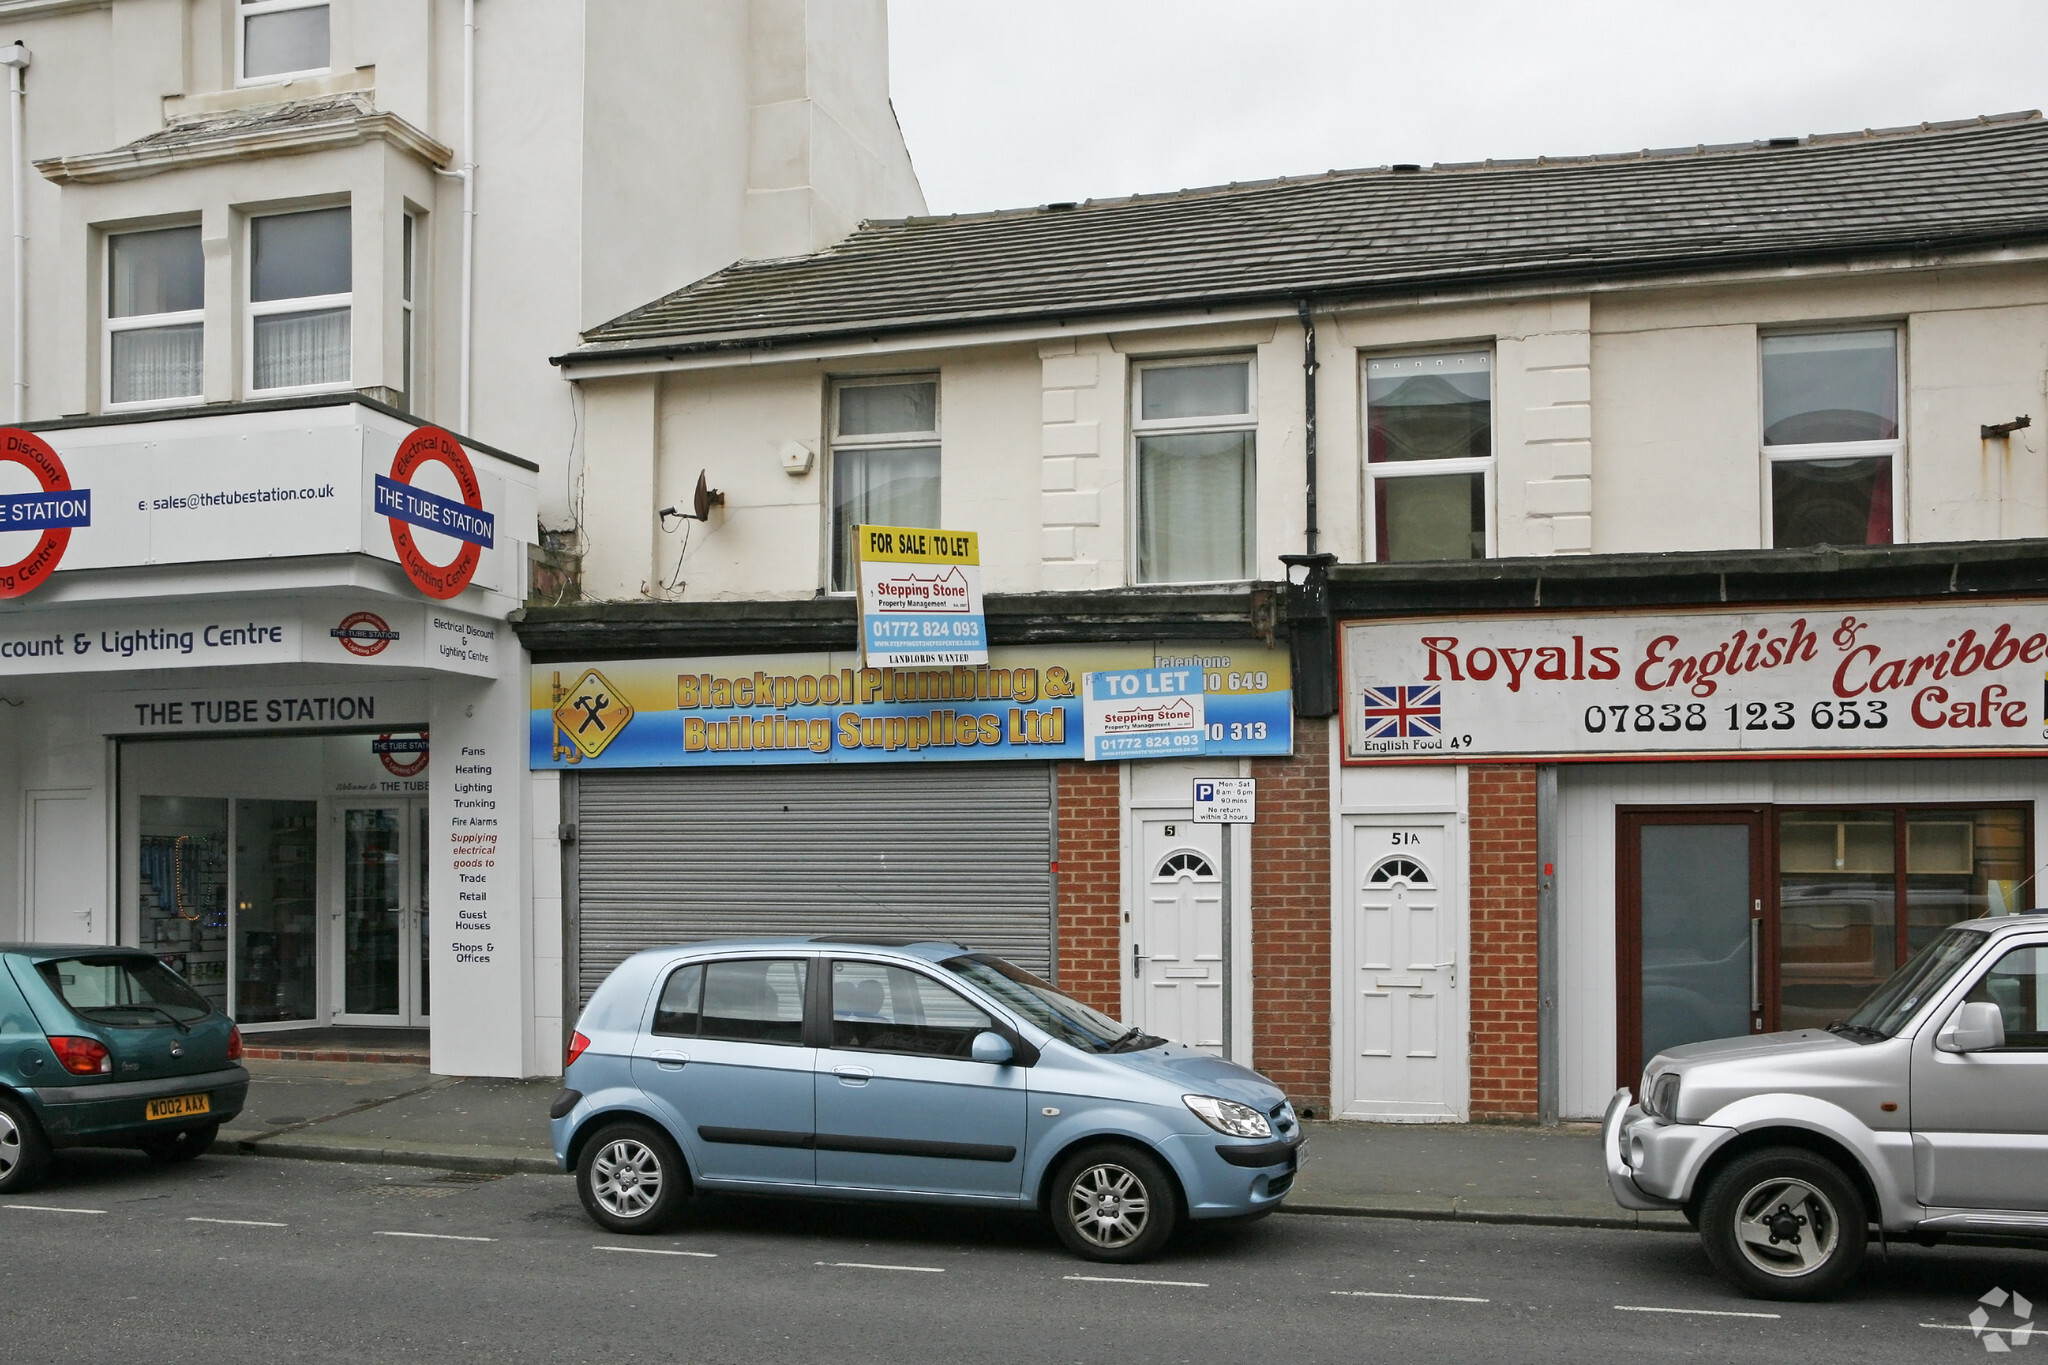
1812 680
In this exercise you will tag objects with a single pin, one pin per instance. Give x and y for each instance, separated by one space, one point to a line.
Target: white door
65 869
381 911
1403 1037
1177 966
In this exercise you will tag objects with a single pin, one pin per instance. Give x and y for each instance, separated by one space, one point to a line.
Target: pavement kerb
515 1163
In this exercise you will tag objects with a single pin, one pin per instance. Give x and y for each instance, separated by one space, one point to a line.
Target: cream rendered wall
1970 367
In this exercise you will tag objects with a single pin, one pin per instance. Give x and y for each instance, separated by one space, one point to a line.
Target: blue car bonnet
1200 1073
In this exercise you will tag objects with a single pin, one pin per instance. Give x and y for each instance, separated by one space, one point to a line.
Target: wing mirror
993 1048
1976 1027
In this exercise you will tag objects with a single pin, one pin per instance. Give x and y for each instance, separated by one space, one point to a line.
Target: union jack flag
1403 712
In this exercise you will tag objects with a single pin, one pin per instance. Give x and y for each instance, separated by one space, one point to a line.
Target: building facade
287 452
1646 551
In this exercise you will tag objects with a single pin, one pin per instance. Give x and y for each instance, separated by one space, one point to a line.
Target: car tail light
83 1056
234 1042
577 1042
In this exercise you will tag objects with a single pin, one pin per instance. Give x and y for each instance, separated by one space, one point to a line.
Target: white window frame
836 443
109 324
244 9
1248 421
408 320
312 303
1894 449
1413 469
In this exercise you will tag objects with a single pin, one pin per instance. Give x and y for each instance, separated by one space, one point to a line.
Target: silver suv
1924 1112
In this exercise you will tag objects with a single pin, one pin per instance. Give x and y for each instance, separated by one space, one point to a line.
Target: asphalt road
250 1259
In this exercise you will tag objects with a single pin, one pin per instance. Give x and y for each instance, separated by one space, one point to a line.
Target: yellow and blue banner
1024 703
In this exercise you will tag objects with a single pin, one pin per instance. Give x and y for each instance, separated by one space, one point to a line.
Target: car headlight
1228 1116
1663 1101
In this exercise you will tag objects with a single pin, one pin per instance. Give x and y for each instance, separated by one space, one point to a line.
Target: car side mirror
992 1048
1976 1027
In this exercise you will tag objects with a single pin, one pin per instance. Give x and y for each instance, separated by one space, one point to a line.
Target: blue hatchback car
905 1071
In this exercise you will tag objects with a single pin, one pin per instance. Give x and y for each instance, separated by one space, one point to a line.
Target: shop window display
184 889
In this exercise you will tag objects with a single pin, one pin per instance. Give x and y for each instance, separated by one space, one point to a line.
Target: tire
24 1151
631 1178
187 1144
1784 1223
1114 1203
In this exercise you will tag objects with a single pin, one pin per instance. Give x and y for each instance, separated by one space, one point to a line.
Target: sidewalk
404 1115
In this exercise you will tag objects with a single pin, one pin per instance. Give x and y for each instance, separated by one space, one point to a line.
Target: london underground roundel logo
51 510
407 506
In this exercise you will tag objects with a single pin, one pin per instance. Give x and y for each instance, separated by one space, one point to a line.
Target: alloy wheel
1786 1227
1109 1205
625 1177
10 1143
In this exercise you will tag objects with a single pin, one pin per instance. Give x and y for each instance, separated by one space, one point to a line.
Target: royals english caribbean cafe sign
1963 678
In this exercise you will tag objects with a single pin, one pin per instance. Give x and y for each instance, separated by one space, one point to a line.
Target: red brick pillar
1501 982
1090 884
1290 893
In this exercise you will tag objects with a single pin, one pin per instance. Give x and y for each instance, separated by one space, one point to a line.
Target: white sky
1007 103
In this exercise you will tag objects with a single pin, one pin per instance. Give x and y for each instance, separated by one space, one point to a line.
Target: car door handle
671 1061
852 1075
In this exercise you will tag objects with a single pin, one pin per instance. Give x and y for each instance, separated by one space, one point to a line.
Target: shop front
1678 824
255 727
805 793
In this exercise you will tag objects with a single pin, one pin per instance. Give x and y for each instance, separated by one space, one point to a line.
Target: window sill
255 395
155 404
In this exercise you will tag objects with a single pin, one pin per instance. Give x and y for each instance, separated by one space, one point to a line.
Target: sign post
920 597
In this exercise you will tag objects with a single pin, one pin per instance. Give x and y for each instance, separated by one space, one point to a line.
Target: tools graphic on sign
53 510
592 709
590 715
1403 712
407 505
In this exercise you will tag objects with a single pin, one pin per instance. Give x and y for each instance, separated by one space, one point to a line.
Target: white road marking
49 1208
1118 1279
435 1236
1429 1298
658 1251
238 1222
1692 1312
868 1265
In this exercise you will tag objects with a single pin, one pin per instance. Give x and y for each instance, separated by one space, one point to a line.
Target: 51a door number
1402 838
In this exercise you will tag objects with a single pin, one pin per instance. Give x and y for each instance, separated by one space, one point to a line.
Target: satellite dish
701 502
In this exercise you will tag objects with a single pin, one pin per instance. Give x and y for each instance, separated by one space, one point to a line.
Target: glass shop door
382 915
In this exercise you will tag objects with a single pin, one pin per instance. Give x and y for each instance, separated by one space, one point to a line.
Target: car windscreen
1041 1002
1893 1003
123 990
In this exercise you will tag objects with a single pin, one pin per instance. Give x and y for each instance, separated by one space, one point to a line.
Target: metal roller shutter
945 850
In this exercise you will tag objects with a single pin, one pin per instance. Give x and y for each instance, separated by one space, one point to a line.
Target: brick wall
1501 982
1090 885
1291 919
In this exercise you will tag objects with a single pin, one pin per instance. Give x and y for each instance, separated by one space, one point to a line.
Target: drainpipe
16 58
1311 646
468 201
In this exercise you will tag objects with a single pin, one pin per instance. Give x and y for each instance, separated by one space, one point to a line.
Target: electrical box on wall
796 458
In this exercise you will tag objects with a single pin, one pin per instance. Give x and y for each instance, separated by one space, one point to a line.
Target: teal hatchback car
107 1047
906 1071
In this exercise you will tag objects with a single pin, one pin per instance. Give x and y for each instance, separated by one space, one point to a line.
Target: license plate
179 1106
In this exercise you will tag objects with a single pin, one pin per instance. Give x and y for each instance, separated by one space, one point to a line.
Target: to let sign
920 597
1811 680
1144 713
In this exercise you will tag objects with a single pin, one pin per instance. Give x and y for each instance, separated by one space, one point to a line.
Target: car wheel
1113 1204
1785 1224
631 1178
183 1145
24 1153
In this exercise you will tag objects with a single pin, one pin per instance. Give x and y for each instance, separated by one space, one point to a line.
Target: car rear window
123 990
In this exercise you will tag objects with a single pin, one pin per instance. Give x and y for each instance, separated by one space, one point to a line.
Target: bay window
1193 424
1429 454
1831 436
298 310
153 342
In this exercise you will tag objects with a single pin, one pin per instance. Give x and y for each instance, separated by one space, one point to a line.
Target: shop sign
36 526
253 709
408 507
1144 713
1025 703
920 597
1227 801
1954 678
401 755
